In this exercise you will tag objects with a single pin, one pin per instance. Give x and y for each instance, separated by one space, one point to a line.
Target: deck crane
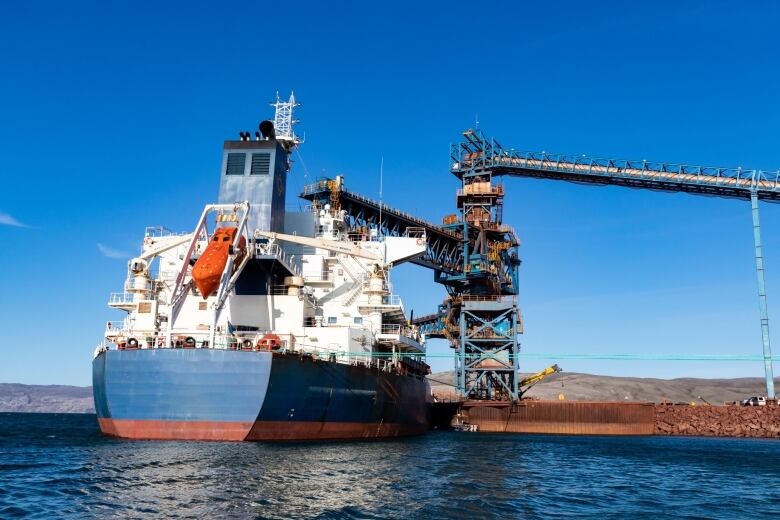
527 382
474 255
328 245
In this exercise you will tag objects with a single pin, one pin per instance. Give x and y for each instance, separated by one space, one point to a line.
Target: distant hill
46 398
575 386
589 387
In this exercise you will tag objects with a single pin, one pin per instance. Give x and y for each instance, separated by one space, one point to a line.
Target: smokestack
267 129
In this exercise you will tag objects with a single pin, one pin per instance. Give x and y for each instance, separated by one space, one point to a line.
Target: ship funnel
267 129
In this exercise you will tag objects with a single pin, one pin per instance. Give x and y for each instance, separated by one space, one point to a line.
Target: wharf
610 418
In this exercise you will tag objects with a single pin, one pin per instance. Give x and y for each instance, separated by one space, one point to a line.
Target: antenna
283 121
381 185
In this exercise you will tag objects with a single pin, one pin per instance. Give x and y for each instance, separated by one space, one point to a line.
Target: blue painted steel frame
488 335
478 153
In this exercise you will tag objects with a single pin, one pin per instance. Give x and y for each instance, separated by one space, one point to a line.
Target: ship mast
283 121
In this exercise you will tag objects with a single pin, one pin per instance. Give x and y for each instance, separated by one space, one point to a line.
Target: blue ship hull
232 395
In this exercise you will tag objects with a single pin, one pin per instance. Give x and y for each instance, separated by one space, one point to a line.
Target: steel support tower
483 296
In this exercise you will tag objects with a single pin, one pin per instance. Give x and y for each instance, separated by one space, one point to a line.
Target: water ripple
59 466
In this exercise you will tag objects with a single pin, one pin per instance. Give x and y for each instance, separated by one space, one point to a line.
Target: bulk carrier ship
262 324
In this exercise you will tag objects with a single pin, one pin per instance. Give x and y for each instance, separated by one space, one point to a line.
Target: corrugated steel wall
563 417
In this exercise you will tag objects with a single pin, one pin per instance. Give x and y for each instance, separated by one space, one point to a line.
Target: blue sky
113 118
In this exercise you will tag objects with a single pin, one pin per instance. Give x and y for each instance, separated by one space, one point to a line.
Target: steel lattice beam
482 154
443 249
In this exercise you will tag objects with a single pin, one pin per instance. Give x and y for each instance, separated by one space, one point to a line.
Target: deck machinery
475 256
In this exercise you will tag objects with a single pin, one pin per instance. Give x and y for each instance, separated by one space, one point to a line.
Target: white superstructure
314 289
291 282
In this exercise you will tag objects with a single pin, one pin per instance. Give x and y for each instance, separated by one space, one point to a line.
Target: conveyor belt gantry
477 154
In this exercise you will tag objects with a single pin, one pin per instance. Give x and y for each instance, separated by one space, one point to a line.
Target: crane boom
531 380
328 245
166 244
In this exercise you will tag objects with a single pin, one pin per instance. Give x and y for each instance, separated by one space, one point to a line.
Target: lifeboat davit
209 268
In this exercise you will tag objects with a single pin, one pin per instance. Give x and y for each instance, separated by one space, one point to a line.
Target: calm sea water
58 465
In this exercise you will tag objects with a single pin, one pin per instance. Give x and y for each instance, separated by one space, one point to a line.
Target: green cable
541 355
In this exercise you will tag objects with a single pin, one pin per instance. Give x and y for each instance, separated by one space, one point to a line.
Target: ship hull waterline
227 395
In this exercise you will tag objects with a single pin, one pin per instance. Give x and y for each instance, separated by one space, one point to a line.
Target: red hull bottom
253 431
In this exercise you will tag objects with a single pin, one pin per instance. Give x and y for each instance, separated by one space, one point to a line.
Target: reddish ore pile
718 421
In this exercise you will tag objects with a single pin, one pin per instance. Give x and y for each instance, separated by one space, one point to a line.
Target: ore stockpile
718 421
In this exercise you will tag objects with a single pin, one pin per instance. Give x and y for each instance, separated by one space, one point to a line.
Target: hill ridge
17 397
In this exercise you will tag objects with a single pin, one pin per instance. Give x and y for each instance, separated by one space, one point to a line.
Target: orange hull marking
254 431
179 430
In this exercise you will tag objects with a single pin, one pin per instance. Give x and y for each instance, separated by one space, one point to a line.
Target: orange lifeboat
209 268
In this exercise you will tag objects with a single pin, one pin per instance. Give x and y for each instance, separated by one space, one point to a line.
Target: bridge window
235 164
261 164
358 320
332 320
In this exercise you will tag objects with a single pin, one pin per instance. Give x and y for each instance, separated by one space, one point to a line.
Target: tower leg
515 357
461 375
770 383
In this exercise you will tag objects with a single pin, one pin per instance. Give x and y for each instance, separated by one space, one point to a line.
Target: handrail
392 299
121 298
275 250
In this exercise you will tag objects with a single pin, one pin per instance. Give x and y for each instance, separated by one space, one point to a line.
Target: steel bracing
486 365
